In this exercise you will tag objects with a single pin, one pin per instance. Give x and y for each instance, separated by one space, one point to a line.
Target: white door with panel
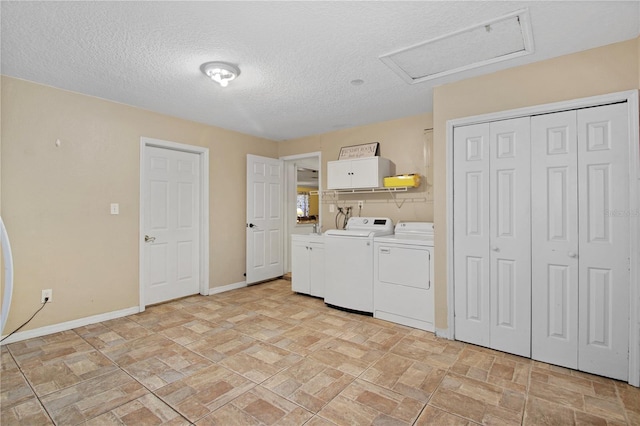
265 222
510 235
307 264
300 266
581 247
172 224
471 233
554 232
492 235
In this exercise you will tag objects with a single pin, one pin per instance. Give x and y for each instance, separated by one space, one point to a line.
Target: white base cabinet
307 264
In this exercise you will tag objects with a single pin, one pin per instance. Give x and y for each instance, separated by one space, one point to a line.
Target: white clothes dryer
349 262
403 276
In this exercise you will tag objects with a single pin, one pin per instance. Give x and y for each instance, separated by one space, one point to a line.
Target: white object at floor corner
404 275
349 262
8 275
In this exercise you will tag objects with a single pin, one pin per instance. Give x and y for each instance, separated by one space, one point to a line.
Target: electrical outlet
332 208
47 294
360 204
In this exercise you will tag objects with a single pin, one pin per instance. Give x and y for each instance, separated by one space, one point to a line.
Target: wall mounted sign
360 151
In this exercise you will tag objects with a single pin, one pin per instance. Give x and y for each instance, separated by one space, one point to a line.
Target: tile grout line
127 373
255 384
30 386
526 393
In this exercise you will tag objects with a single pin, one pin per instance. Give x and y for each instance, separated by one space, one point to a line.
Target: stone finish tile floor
264 355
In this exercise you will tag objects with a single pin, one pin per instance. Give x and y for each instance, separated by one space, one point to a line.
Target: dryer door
407 266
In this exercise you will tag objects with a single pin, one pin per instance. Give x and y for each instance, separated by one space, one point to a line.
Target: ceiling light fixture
220 72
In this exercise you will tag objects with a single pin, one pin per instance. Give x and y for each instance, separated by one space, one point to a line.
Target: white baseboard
69 325
228 287
444 333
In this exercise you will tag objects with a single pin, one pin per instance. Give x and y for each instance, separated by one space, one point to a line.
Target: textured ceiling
297 58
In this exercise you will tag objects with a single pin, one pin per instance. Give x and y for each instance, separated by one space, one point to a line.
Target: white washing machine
403 276
349 262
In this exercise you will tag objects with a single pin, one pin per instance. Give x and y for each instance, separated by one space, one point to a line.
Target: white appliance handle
8 274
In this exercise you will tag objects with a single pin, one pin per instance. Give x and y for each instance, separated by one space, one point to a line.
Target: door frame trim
289 190
203 154
631 97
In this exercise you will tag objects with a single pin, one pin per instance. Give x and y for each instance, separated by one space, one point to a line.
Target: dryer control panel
376 224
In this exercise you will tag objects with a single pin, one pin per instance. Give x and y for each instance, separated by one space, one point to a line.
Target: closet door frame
631 98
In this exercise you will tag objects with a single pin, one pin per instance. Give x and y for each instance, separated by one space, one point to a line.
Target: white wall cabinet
359 173
307 264
541 265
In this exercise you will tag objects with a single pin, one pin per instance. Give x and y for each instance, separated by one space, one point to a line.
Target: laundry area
370 265
541 255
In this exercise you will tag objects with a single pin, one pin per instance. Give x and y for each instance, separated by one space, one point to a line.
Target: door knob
572 254
148 239
494 248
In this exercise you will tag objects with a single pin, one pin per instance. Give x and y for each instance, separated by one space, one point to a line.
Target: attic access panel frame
400 60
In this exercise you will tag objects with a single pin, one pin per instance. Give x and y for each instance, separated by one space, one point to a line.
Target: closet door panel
510 236
603 174
554 238
471 234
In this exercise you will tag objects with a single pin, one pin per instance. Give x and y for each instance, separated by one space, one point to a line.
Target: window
302 204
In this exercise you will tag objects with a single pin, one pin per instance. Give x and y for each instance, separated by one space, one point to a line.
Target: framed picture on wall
360 151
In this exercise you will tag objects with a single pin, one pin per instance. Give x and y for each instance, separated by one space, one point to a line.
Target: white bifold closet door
492 236
580 239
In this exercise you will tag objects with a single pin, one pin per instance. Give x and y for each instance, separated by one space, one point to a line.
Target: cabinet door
300 267
555 239
510 228
339 174
603 257
316 269
471 233
365 173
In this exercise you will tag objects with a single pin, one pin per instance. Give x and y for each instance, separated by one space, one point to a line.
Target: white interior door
172 224
471 233
554 191
265 222
510 242
580 245
603 258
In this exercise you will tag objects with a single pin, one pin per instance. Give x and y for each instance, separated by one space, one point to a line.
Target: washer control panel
376 224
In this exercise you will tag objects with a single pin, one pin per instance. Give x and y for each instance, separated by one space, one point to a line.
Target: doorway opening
303 197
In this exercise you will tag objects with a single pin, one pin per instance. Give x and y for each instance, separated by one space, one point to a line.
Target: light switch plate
115 208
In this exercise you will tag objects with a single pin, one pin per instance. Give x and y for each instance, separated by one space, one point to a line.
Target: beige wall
593 72
404 141
55 200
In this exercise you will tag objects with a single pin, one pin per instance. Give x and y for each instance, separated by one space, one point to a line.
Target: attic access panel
497 40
